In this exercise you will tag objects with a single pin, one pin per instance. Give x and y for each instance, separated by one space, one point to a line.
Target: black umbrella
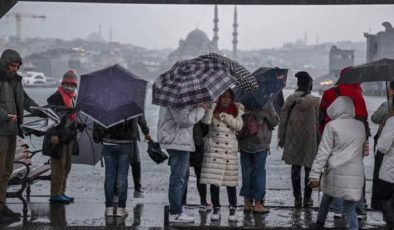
155 152
111 95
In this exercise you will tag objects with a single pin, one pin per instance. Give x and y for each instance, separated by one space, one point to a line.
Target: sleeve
325 149
235 123
270 115
207 118
3 115
28 102
283 118
386 139
143 125
98 133
185 118
380 114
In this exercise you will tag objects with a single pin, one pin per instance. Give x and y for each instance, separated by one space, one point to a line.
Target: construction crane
18 20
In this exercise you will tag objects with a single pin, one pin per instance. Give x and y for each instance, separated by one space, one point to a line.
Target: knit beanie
70 77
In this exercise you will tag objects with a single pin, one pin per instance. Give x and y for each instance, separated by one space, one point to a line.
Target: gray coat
340 154
298 129
381 114
385 146
13 99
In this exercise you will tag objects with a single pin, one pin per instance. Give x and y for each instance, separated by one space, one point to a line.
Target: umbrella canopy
40 126
155 152
193 81
271 81
382 70
111 95
89 151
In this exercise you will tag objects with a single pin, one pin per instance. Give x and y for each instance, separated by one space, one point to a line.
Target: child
340 156
220 162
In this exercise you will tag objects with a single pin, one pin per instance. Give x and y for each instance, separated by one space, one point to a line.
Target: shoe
308 202
317 226
6 212
205 208
232 216
59 199
248 205
138 194
109 211
260 209
298 203
69 198
215 214
338 216
121 212
361 214
181 218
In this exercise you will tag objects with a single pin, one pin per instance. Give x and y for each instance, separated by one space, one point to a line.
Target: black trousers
136 172
296 182
215 194
202 188
387 201
375 199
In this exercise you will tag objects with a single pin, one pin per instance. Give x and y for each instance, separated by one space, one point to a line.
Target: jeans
253 175
296 182
202 188
179 177
215 194
117 159
349 209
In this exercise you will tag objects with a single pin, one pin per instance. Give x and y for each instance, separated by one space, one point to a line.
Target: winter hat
9 56
70 77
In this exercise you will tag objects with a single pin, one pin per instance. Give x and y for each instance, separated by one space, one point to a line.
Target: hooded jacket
385 146
298 129
340 155
13 99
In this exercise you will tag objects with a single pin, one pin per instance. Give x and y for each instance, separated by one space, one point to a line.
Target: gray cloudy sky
161 26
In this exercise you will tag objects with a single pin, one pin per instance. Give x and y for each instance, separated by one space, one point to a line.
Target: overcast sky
161 26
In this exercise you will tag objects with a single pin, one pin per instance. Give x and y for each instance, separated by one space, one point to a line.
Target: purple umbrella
111 95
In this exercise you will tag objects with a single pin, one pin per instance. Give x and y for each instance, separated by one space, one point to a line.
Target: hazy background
162 26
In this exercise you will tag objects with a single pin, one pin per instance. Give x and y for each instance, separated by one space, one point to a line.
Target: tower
215 38
235 34
110 33
306 37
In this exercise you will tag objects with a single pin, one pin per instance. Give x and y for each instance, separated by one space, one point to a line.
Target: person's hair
232 95
392 85
304 84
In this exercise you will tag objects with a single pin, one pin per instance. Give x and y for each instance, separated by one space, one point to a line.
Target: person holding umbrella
60 139
11 117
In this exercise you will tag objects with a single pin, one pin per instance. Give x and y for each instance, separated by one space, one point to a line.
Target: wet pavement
86 184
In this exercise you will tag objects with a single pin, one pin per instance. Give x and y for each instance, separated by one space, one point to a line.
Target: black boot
298 202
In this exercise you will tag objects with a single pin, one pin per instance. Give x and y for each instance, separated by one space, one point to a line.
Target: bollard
166 216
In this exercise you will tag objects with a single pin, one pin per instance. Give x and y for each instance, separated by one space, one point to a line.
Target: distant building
380 45
339 59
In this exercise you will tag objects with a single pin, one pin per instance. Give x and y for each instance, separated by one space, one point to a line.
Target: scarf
68 99
231 109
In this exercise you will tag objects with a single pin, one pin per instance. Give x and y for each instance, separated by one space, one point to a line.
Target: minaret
99 30
306 37
215 38
235 34
110 33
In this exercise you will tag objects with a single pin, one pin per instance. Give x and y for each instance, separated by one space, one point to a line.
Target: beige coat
340 153
220 162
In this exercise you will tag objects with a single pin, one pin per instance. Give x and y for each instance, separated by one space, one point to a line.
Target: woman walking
220 162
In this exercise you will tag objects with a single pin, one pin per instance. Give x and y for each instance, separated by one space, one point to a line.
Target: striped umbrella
190 82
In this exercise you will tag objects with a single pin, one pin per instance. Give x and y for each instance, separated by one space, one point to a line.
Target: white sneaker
232 215
216 214
181 218
121 212
109 211
205 208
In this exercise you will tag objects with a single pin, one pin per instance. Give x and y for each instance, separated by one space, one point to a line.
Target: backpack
250 127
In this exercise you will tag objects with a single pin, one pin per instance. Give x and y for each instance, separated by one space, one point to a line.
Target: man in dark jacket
62 136
13 101
120 145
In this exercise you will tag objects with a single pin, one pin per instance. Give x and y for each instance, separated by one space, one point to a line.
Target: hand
148 138
366 148
281 144
204 105
314 184
12 118
55 140
216 115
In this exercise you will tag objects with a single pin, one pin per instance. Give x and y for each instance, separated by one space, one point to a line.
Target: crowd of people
328 137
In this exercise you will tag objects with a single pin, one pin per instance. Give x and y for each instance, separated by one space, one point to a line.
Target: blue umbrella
271 81
111 95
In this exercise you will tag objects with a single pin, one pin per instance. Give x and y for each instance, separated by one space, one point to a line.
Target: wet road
86 184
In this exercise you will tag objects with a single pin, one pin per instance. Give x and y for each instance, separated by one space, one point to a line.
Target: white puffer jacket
385 145
341 153
220 162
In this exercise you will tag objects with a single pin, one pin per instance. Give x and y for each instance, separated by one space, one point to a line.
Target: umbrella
111 95
155 152
89 151
39 126
271 81
382 70
193 81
